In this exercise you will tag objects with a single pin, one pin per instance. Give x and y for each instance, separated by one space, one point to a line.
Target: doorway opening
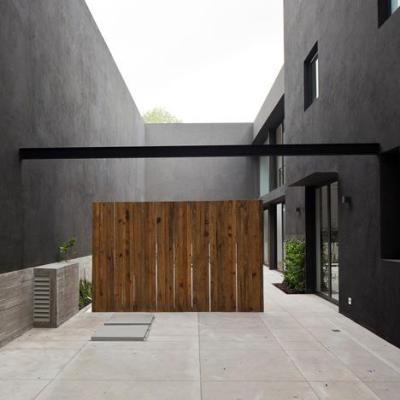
274 235
280 235
327 241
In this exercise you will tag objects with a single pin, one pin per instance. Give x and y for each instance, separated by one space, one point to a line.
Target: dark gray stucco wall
15 122
200 179
359 97
59 87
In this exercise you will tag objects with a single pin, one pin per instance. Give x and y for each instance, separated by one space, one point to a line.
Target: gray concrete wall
16 297
203 178
359 97
270 103
16 304
59 282
85 268
59 86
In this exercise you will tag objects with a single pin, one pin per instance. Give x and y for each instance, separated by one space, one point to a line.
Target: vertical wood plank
103 260
96 245
123 290
243 262
260 250
137 255
182 258
200 241
223 286
249 243
144 248
213 265
165 257
149 274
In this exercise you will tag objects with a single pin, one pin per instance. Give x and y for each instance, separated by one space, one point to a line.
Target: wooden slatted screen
178 256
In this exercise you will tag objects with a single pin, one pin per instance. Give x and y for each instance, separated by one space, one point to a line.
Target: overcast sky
202 60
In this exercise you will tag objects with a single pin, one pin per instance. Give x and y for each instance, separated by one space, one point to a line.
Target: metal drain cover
124 333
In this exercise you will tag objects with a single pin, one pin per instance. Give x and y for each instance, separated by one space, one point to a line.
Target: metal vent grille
41 299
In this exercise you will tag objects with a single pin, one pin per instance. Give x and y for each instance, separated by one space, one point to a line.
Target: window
272 168
394 5
280 160
311 77
264 174
280 235
327 235
390 210
266 237
386 8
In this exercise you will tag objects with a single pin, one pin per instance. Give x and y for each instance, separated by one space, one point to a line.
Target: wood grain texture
165 257
144 244
183 286
249 256
199 224
178 256
103 257
223 271
122 272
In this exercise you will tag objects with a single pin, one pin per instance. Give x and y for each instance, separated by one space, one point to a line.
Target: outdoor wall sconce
298 211
346 200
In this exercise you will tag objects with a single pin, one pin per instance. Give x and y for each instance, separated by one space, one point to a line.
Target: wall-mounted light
346 200
298 210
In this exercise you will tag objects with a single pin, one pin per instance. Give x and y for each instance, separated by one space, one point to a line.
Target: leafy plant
85 293
159 115
65 248
294 276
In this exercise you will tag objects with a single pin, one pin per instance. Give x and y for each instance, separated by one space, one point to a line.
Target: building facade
60 87
340 84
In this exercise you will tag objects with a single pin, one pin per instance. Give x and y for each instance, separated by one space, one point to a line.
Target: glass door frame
318 262
280 235
272 230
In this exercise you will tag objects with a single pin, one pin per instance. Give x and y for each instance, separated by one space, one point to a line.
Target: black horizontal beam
200 151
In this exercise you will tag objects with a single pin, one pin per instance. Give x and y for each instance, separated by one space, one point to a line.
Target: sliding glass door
280 235
266 238
327 225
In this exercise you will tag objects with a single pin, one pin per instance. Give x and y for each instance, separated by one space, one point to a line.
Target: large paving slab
130 319
121 390
258 390
21 389
108 363
35 364
300 348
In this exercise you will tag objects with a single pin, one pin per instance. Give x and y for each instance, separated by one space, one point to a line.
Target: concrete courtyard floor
300 348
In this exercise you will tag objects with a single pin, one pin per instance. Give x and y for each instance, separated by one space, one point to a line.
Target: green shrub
65 248
85 293
293 274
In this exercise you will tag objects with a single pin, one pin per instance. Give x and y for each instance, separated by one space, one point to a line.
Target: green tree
294 275
159 115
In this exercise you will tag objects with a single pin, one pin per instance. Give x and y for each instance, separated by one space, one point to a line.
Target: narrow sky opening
202 60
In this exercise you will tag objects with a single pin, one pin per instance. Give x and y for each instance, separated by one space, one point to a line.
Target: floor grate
125 327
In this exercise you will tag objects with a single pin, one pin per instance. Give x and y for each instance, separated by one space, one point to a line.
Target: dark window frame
273 160
309 97
389 201
329 296
385 11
